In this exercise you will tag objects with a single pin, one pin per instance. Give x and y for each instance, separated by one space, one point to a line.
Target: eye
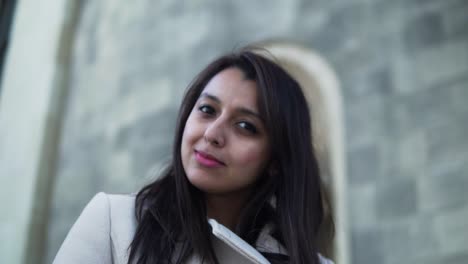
206 109
248 126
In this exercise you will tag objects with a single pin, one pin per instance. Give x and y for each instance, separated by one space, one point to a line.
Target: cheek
252 157
190 131
187 139
193 132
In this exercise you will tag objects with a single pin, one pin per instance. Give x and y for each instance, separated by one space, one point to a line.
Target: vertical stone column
33 92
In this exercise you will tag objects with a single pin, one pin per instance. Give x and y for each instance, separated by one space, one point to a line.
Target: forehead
231 87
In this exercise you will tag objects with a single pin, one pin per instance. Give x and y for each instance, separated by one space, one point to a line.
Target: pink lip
207 160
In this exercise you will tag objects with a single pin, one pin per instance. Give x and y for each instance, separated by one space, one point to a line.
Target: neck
226 208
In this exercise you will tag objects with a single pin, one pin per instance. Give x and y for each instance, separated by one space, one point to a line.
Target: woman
242 156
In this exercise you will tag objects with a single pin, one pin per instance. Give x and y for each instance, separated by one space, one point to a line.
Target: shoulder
106 223
122 221
113 209
103 203
88 240
111 203
119 203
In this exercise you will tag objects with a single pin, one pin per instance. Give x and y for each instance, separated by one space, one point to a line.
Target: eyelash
247 126
206 109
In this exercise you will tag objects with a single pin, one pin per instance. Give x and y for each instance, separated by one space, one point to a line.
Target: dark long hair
292 178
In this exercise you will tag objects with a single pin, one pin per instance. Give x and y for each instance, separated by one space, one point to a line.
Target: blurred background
90 90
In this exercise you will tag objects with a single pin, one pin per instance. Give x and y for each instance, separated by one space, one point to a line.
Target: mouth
207 160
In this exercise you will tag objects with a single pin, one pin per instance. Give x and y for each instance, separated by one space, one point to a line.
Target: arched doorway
322 90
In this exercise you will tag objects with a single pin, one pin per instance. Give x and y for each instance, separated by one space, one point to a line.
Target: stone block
411 153
396 199
154 128
434 66
149 141
397 239
387 16
346 26
305 4
454 19
459 94
423 237
364 164
380 81
361 205
365 120
438 65
424 109
309 20
118 172
460 258
447 140
403 74
373 82
399 121
452 231
366 247
443 187
423 31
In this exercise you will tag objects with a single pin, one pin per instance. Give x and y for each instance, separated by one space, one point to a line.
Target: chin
203 184
211 187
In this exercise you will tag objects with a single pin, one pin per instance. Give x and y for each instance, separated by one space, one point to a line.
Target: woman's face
224 145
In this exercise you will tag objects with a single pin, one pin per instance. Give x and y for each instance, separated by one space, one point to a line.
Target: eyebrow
240 109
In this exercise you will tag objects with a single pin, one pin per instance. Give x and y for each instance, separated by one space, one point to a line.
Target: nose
214 133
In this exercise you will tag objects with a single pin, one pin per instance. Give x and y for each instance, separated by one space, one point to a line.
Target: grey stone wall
403 66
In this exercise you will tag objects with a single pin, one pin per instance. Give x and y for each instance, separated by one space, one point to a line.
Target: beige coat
105 229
